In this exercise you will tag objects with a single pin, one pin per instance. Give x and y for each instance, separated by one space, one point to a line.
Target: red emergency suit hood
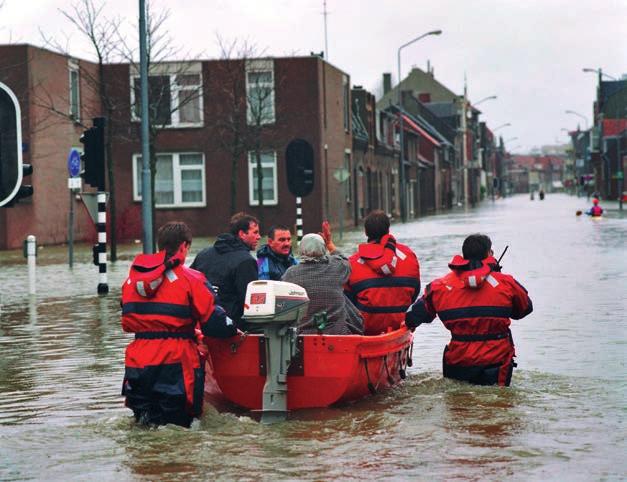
472 272
381 256
147 270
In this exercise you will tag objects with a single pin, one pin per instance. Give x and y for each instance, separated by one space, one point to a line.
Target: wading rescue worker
274 258
385 277
162 303
229 266
475 302
595 211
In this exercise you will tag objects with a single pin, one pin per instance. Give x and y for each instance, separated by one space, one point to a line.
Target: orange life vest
384 282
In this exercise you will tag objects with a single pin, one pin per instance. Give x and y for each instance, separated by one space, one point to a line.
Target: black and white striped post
103 287
299 160
299 218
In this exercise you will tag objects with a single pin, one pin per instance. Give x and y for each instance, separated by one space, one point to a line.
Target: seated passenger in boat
323 275
385 277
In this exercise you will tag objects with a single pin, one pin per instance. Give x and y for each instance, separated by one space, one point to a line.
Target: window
347 166
175 91
260 92
75 100
269 181
179 181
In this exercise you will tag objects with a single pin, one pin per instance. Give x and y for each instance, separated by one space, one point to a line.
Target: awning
411 125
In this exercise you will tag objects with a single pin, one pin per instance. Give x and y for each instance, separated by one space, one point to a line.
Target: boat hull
329 369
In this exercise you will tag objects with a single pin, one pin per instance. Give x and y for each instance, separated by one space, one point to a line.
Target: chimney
387 82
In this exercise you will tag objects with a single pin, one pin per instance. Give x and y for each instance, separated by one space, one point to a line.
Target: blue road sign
74 163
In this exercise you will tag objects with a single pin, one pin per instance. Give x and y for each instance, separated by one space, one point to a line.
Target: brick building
43 82
200 178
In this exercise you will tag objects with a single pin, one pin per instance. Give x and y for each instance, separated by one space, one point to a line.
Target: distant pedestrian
475 302
229 266
162 303
274 258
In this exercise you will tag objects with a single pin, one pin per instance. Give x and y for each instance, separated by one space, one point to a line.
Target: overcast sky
529 53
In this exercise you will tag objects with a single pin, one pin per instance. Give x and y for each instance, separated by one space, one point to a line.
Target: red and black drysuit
163 303
475 303
384 282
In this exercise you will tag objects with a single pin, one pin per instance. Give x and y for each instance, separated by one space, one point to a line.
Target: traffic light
299 159
93 154
12 170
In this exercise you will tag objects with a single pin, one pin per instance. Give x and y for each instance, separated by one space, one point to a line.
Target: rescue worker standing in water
595 211
475 302
162 303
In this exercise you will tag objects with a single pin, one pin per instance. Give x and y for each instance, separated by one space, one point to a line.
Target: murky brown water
61 364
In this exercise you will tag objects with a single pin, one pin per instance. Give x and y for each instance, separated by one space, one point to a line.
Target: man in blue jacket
274 258
229 266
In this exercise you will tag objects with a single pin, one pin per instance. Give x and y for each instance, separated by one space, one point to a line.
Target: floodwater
61 366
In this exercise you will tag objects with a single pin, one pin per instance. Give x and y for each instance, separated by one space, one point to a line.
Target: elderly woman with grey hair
323 276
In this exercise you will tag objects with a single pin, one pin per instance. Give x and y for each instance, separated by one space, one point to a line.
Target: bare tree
87 17
174 87
246 83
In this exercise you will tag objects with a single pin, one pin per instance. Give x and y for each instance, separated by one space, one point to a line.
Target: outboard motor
277 307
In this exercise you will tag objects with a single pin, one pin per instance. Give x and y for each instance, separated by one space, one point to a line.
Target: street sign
91 203
341 174
619 175
74 182
74 163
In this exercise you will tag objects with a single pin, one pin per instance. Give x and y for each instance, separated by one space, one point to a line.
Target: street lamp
598 71
491 97
578 115
401 167
501 126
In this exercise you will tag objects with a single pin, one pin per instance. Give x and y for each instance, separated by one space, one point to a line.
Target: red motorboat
279 370
326 370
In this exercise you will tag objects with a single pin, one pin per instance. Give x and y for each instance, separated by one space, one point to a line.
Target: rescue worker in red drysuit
162 303
385 277
475 302
595 211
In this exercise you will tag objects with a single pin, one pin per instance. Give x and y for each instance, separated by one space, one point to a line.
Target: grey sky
527 52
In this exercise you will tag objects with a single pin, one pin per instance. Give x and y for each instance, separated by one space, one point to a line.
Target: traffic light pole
299 218
103 287
146 179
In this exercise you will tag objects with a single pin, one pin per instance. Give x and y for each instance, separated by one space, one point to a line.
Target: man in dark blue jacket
229 266
274 258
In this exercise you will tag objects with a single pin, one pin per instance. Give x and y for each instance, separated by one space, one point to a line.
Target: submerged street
62 362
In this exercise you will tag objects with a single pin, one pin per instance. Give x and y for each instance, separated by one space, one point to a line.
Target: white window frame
252 181
257 66
74 67
172 70
176 180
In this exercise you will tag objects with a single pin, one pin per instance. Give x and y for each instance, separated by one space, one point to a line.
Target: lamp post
491 97
578 115
401 167
507 124
598 71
